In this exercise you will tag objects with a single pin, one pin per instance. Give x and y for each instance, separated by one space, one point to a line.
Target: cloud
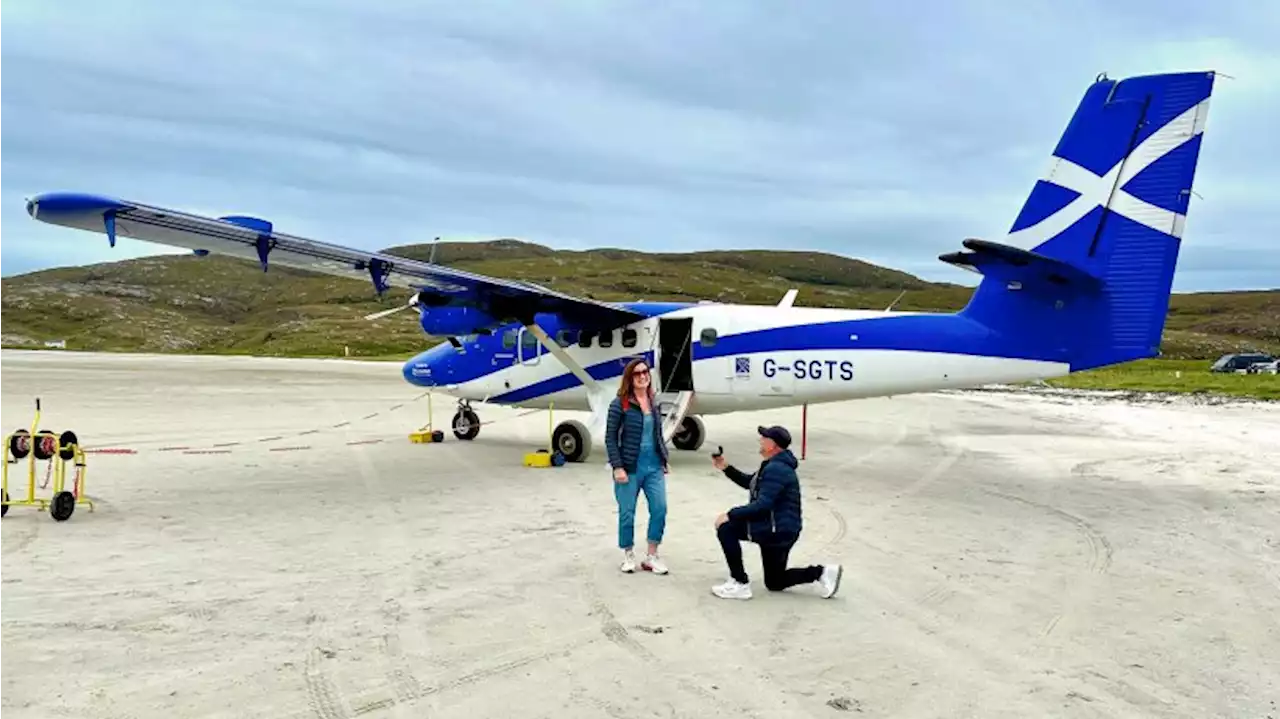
887 133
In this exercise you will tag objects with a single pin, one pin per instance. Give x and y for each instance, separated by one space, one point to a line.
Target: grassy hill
218 305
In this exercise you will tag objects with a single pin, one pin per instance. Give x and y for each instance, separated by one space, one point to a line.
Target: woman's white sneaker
653 563
628 561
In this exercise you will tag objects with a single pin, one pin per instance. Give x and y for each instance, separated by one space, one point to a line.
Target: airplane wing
255 239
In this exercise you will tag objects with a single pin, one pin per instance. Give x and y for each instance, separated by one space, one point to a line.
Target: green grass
1173 376
225 306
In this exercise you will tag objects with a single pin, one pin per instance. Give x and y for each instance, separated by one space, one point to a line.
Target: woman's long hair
627 388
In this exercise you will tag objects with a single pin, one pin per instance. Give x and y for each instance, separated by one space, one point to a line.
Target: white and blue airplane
1082 280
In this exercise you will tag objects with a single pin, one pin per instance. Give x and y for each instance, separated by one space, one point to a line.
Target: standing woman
638 457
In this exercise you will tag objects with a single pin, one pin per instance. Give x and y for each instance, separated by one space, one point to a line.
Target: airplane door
675 354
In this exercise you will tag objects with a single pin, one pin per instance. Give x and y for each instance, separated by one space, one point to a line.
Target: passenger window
564 338
708 338
509 339
628 338
584 339
606 339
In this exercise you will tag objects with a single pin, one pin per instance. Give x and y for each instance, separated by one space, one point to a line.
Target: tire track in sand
323 697
1099 547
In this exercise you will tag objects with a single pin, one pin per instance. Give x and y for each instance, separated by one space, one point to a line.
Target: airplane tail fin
1085 274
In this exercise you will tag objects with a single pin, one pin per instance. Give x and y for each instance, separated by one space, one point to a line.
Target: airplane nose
418 372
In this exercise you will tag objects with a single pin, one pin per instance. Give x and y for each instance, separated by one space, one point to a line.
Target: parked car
1272 367
1240 362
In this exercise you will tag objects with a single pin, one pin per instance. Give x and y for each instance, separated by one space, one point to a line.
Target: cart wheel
20 444
4 508
65 441
46 444
63 504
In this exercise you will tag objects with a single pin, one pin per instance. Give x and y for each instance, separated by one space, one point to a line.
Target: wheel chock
541 458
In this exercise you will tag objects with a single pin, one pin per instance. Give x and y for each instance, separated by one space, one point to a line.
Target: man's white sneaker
732 589
628 561
653 563
829 583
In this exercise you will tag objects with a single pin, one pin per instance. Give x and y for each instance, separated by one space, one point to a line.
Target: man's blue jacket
773 514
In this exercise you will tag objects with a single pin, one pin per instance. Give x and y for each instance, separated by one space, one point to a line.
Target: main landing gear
572 440
690 435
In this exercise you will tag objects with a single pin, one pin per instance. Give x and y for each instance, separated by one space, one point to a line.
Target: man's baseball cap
779 435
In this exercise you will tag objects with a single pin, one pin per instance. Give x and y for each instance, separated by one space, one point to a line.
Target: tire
691 434
466 424
571 440
62 506
45 445
20 444
64 450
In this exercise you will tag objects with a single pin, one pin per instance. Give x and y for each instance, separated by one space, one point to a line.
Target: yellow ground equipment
427 434
546 457
43 445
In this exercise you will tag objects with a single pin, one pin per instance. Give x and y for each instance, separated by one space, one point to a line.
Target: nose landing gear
466 423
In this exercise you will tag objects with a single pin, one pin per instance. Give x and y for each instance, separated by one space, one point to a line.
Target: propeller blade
385 313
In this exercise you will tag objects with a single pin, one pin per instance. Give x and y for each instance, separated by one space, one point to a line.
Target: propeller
414 299
412 303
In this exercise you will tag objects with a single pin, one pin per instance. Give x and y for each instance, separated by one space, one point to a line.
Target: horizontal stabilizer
1012 264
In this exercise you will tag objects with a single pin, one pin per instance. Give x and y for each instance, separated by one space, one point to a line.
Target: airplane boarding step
673 406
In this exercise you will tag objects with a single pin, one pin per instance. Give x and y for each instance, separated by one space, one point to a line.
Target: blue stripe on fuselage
940 333
599 372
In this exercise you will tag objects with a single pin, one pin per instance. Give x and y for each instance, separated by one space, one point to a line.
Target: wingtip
55 205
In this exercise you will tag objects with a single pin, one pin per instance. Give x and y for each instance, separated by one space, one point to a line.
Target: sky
888 131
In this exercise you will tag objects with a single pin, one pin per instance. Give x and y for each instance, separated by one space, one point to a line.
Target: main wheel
572 440
466 424
690 435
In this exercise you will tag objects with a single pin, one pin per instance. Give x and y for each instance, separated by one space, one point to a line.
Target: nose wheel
466 423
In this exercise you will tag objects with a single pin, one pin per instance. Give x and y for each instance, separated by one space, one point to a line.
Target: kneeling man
771 519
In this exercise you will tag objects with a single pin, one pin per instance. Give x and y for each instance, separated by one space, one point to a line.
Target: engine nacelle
447 321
